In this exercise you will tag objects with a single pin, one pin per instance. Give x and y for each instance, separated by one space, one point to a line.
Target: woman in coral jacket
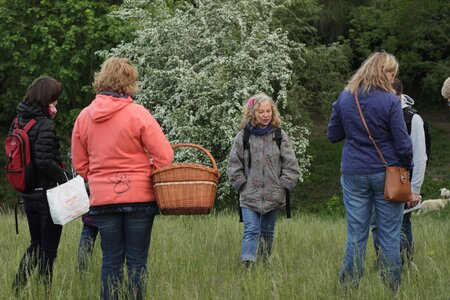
113 142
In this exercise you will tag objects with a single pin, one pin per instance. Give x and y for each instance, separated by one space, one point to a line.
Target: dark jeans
125 237
42 251
87 241
406 243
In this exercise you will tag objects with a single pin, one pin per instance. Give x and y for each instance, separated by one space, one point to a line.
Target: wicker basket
186 188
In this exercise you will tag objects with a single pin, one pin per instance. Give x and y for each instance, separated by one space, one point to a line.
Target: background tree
321 71
59 39
198 65
416 32
333 19
301 51
55 38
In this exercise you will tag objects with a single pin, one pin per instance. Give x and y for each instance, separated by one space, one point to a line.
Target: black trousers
45 237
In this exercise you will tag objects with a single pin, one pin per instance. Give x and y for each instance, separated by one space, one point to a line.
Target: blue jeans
87 241
125 236
361 194
406 239
42 251
258 234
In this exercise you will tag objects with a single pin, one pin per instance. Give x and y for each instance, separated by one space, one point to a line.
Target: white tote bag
68 201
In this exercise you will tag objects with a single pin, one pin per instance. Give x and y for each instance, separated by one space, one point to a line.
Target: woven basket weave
186 188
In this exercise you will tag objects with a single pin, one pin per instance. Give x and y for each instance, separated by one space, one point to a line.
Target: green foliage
200 59
319 77
416 32
198 65
59 39
198 258
320 72
437 173
55 38
322 183
297 18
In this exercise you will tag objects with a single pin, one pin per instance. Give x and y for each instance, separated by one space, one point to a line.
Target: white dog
431 205
445 193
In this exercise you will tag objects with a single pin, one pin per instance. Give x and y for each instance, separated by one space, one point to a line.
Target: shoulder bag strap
368 131
278 137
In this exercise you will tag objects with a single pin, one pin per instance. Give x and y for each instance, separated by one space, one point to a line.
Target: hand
415 200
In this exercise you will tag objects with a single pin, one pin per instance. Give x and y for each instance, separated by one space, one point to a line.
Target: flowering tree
198 66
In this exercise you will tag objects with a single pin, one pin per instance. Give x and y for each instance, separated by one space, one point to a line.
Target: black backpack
408 113
277 138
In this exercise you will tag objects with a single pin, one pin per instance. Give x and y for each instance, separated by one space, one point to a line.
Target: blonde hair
446 89
249 114
372 73
117 74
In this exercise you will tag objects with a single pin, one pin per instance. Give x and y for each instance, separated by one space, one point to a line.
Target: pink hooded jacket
112 141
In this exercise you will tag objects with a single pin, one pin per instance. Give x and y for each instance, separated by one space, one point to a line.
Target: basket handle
211 158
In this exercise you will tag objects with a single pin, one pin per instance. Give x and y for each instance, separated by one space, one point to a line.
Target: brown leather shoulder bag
397 187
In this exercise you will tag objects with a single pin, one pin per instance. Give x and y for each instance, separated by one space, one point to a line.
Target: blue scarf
115 94
259 131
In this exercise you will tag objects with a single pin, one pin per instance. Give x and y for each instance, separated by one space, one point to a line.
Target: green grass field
197 257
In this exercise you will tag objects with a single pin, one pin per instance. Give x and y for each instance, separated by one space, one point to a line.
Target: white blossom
198 65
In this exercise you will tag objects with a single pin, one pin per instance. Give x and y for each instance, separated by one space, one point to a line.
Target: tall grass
197 257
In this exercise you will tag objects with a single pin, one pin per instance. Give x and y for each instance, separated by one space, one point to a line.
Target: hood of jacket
32 110
104 107
407 101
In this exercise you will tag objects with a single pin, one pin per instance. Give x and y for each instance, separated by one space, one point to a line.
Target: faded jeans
406 239
361 194
258 234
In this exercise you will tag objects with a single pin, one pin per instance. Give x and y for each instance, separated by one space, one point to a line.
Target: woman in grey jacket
261 171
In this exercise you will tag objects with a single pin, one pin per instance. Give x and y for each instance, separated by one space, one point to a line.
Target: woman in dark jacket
363 172
39 103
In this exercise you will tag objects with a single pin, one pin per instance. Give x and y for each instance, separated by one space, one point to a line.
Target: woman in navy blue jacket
363 172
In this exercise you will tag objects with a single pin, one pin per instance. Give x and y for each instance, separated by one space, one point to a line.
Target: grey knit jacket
273 169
